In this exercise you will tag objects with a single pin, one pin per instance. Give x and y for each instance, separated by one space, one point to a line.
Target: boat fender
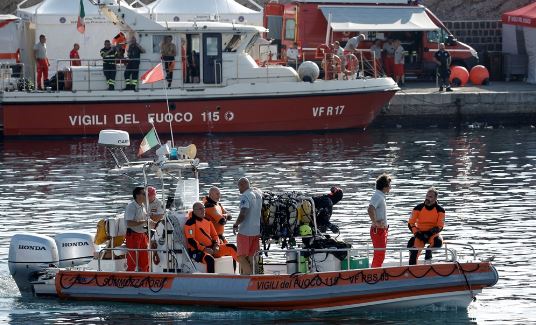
100 235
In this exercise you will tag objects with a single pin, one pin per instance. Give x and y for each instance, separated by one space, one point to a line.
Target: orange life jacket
200 233
424 219
214 212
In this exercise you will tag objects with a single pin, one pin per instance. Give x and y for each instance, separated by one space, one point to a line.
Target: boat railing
451 255
10 74
169 253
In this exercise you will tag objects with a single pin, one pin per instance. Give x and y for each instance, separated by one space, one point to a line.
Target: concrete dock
500 103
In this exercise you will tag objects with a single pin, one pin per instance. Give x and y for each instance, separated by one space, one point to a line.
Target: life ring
322 50
332 66
351 64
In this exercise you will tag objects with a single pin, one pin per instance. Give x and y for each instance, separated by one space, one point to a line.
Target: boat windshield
233 44
252 42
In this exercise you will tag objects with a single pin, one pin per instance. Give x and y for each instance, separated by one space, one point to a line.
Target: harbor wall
497 108
482 35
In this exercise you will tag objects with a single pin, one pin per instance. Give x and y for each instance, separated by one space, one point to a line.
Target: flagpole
156 133
167 104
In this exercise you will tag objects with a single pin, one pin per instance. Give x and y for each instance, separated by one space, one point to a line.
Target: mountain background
447 10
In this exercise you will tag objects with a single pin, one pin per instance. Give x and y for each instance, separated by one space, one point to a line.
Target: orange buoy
458 75
479 75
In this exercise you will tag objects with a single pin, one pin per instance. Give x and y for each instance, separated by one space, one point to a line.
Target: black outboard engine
324 208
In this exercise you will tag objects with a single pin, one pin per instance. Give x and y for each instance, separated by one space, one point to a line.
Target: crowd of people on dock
385 57
204 228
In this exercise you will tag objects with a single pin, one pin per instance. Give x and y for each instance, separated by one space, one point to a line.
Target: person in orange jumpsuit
426 222
217 214
201 237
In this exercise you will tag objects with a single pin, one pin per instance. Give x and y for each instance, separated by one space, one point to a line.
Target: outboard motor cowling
29 256
75 248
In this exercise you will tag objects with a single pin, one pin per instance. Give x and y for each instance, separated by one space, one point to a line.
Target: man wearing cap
248 225
137 238
156 208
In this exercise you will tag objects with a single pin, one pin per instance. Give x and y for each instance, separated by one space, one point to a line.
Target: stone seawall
500 104
482 35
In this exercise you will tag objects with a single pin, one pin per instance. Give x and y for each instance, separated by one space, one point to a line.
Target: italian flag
81 24
149 141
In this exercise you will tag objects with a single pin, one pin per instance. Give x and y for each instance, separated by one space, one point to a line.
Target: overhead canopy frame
376 18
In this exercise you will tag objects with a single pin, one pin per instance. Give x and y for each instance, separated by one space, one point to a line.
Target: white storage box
325 262
222 265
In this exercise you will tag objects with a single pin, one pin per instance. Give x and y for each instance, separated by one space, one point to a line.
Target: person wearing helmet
426 222
156 208
324 208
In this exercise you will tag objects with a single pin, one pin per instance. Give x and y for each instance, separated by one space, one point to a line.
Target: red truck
311 23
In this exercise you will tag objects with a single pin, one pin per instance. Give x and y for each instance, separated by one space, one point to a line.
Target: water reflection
486 179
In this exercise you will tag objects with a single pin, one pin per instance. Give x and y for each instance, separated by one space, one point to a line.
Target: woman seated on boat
426 222
203 240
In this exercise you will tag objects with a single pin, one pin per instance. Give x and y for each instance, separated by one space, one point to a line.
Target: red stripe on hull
307 113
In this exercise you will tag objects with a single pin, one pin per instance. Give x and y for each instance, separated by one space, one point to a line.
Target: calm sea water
486 179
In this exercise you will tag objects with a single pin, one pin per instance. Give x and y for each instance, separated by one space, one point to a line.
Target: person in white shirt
378 216
41 59
137 238
337 49
376 52
389 57
292 56
248 225
399 62
156 208
353 43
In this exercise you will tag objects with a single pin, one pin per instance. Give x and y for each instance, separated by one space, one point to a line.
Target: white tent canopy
190 10
373 18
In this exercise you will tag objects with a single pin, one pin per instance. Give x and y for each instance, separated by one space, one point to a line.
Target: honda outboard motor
75 248
29 255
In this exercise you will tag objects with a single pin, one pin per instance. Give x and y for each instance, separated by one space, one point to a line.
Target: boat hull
305 112
449 284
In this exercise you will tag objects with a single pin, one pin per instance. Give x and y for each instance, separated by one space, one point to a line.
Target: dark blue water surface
486 179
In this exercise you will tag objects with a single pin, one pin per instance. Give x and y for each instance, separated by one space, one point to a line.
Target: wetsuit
443 70
200 234
426 223
324 209
215 213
